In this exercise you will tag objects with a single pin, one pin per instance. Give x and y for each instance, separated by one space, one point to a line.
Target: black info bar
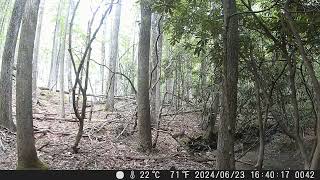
161 174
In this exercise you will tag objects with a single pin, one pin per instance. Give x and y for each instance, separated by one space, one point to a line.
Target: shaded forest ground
110 141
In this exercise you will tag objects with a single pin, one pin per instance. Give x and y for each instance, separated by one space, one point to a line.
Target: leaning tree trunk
36 52
113 58
54 68
27 154
144 122
155 66
296 135
315 162
7 65
225 155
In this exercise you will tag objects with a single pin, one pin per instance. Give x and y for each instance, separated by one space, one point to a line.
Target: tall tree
27 154
61 57
3 18
103 55
113 57
144 122
54 68
225 156
36 51
68 59
315 162
156 38
7 65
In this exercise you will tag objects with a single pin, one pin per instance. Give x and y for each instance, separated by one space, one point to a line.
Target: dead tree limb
84 59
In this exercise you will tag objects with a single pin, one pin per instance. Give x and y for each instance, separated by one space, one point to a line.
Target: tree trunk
213 113
68 59
3 19
27 154
134 52
315 162
103 55
260 157
225 154
155 66
202 78
296 135
36 51
144 122
113 57
61 57
7 65
169 89
54 68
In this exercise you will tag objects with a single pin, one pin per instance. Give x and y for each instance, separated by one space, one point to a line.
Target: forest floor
110 141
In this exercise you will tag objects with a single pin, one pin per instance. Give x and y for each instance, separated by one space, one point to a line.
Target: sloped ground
110 141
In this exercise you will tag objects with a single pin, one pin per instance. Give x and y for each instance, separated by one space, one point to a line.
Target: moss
32 165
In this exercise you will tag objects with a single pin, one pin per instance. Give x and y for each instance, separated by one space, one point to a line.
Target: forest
159 84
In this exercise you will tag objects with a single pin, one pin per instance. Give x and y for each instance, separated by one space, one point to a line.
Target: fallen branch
243 162
122 131
182 112
55 119
43 146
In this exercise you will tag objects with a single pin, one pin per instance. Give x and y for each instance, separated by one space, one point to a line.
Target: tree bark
27 154
144 122
61 57
113 57
3 19
260 158
54 68
36 51
213 113
103 54
156 55
68 59
7 65
225 154
315 162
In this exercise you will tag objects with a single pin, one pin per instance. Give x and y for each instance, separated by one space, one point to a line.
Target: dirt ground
110 141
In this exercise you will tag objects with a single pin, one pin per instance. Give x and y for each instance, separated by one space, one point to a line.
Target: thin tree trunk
169 89
36 51
315 163
61 57
27 154
213 113
103 55
7 65
292 71
260 158
155 66
113 58
68 59
202 78
225 155
144 122
133 62
257 87
54 68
